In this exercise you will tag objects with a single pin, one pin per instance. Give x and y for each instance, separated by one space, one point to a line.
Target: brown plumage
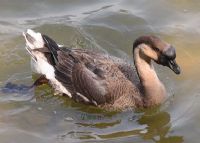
106 81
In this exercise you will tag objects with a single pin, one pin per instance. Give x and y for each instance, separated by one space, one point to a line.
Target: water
111 26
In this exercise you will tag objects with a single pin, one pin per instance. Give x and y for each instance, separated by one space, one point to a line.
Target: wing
84 80
90 83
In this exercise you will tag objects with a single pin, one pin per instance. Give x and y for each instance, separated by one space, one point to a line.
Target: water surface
110 26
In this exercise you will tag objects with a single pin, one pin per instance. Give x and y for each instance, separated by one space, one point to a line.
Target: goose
99 79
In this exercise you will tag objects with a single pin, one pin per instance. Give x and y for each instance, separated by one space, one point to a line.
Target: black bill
174 66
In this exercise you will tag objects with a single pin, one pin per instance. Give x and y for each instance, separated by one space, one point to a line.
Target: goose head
153 48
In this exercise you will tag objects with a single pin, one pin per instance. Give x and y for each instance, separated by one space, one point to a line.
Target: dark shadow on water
15 88
158 127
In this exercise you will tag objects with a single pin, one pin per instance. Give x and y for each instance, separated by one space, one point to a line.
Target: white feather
40 64
44 68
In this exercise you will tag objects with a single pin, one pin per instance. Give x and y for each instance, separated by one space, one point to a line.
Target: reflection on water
109 26
114 126
158 130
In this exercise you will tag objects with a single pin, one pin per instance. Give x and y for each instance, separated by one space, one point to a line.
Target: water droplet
39 108
68 119
157 138
134 117
185 10
143 131
54 112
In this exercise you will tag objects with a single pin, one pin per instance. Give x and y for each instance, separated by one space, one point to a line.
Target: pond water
111 26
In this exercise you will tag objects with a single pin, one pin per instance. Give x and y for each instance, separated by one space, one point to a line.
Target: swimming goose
101 80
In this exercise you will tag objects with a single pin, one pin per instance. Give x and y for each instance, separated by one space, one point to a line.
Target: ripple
111 27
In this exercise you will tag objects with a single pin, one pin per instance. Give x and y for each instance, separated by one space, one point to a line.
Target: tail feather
52 46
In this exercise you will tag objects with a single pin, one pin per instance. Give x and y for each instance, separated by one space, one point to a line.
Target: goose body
99 79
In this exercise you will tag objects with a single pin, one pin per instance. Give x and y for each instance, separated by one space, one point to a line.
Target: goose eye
156 49
163 60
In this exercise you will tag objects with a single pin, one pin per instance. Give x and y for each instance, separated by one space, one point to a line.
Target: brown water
111 26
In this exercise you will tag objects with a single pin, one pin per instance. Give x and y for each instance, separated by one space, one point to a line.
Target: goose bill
174 66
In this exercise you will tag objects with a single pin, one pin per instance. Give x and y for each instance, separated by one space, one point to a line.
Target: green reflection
158 127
